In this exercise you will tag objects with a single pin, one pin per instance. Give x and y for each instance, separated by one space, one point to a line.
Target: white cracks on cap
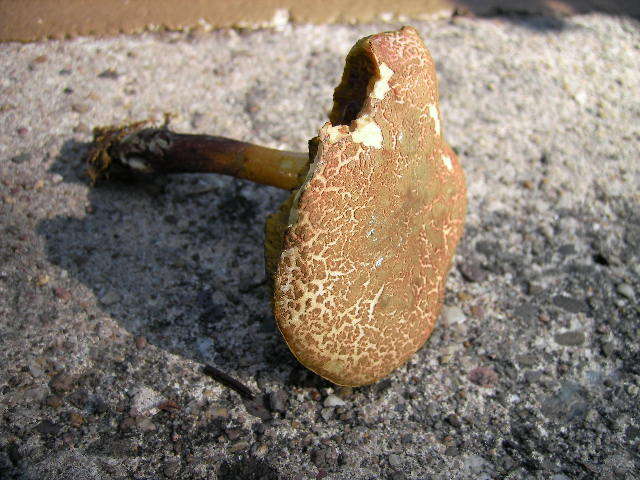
367 132
447 162
375 300
336 133
435 115
381 85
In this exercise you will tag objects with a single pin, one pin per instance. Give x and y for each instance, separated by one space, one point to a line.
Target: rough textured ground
111 299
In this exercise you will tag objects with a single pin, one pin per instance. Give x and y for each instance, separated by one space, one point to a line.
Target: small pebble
451 451
453 315
570 339
127 424
261 450
278 401
53 401
80 107
21 158
453 420
76 420
145 401
526 312
47 427
527 359
477 311
406 439
447 354
626 290
145 424
464 297
327 414
534 288
109 73
607 349
334 401
79 398
62 293
69 438
239 446
344 392
62 383
472 271
34 368
81 128
233 433
220 413
483 377
569 304
395 461
171 468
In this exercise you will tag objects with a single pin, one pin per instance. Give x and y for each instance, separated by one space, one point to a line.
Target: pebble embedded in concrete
626 290
145 401
570 339
333 401
453 315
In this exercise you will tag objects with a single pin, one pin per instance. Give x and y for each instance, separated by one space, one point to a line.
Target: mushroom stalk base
133 148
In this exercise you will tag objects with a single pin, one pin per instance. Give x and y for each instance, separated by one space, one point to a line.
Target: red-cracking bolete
360 252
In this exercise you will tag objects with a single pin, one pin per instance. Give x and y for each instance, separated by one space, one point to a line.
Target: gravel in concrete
111 291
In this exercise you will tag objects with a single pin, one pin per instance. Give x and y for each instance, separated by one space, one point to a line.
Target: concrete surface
112 299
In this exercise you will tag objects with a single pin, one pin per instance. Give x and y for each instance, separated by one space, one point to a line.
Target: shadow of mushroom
178 261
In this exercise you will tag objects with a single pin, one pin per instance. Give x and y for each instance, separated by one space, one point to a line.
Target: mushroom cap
372 231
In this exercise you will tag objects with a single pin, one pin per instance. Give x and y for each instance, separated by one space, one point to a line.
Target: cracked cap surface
372 231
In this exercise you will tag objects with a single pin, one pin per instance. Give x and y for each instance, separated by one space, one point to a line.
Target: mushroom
359 253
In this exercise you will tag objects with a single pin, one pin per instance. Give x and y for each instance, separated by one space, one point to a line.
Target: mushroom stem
132 148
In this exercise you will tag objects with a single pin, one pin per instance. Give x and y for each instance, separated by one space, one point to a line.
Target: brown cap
373 229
